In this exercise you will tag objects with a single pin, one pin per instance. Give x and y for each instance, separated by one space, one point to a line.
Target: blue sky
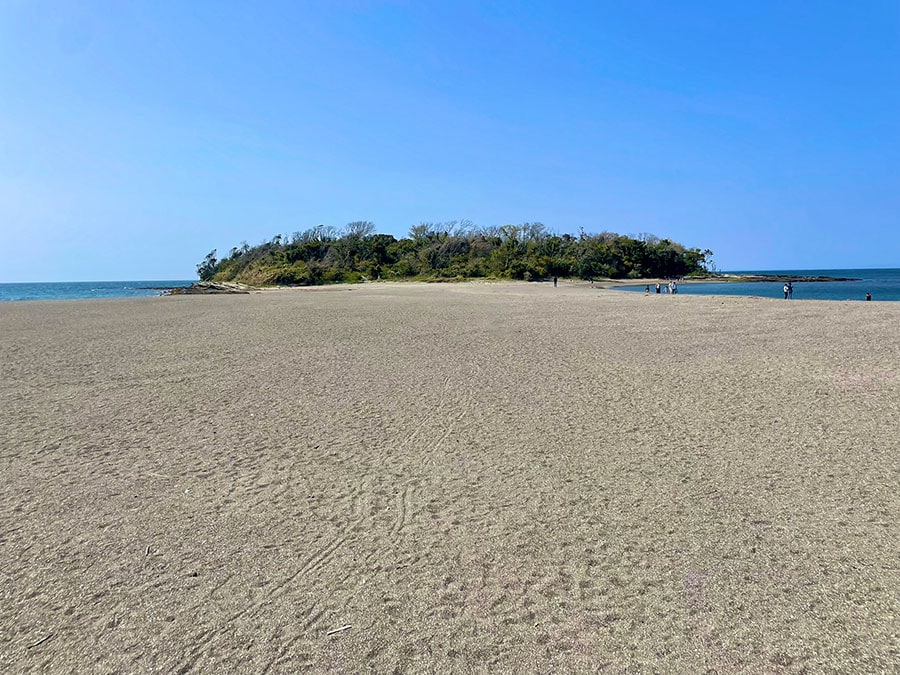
135 137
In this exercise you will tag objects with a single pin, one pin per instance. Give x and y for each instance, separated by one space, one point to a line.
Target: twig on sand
40 642
148 551
338 630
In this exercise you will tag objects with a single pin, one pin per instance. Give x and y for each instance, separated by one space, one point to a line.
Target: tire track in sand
313 562
405 499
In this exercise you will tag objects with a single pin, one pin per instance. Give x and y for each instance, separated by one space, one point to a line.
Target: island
450 251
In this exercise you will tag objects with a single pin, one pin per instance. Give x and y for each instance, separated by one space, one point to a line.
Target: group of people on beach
789 292
671 288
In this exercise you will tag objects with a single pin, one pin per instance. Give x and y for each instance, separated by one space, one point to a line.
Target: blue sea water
79 290
883 284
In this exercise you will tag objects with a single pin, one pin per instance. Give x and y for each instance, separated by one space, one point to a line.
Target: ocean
79 290
883 284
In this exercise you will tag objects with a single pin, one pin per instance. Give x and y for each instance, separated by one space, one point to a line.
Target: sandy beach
451 478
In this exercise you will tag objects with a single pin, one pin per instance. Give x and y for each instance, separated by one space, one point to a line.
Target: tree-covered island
449 251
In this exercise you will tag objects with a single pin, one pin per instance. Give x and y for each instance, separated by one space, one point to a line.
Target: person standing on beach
555 279
785 291
790 290
657 288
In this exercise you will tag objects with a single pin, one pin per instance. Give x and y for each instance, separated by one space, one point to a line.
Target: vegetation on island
449 251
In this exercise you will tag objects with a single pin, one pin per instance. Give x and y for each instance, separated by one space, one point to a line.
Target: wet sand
471 477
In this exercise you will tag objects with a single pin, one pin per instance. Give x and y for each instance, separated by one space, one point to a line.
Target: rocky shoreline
735 278
207 288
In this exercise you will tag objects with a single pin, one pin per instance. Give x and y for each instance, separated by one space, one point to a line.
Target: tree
207 268
422 231
359 229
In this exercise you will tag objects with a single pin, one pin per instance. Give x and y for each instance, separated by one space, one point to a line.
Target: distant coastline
775 277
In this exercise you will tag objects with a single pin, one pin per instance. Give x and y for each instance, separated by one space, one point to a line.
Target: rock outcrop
211 288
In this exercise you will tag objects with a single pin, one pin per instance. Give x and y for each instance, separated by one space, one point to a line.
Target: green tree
207 268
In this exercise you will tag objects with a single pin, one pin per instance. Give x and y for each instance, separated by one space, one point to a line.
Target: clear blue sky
135 137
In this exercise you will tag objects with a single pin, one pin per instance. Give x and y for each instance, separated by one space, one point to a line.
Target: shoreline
234 288
212 287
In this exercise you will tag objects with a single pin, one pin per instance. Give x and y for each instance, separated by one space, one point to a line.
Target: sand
486 477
